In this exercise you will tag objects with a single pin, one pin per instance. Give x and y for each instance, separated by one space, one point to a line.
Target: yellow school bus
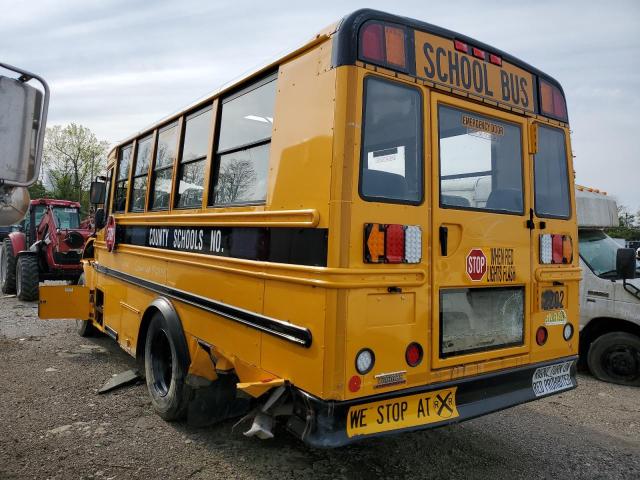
374 234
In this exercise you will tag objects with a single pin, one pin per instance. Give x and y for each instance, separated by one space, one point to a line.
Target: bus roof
344 52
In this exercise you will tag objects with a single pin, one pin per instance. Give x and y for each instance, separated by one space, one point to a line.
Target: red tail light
541 336
384 45
372 42
395 244
556 248
413 355
552 102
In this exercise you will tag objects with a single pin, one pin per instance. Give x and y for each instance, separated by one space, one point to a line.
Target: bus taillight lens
552 102
395 41
384 45
556 249
541 336
392 243
567 331
364 361
372 42
413 355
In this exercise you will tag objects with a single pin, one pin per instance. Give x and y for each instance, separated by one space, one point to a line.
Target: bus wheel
84 327
27 278
164 372
615 357
7 267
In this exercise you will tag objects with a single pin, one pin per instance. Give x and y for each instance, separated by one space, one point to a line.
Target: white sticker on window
390 160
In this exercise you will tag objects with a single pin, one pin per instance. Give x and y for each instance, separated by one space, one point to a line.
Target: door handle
444 237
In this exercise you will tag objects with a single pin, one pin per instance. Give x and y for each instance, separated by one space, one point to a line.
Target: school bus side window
391 158
122 181
140 173
163 167
192 161
242 154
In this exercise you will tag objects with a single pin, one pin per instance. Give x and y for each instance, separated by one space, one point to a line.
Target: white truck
609 297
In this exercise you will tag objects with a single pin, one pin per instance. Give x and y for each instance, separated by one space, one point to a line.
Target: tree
626 218
72 156
234 180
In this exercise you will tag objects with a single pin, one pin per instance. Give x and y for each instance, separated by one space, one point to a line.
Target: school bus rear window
391 160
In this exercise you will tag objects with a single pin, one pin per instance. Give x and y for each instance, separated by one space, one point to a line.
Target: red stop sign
476 264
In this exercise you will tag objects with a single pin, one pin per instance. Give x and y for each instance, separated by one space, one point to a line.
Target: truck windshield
67 217
599 252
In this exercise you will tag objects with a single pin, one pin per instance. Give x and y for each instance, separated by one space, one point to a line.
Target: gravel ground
53 424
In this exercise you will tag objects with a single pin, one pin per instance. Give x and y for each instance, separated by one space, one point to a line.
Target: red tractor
48 246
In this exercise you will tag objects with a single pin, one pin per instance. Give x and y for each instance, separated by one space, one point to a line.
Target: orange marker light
374 234
567 249
394 38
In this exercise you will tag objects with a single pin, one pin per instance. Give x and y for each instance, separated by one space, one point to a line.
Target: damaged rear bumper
322 423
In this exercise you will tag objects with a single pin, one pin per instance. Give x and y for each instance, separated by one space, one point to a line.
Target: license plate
553 298
403 412
553 378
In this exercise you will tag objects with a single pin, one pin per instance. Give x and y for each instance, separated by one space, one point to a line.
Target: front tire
615 357
27 278
164 372
7 268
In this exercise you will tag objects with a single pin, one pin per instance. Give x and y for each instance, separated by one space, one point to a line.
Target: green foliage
73 155
628 233
37 190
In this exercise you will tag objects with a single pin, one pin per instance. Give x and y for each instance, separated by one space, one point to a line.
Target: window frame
151 183
208 155
117 181
108 187
421 137
523 185
133 176
217 154
568 179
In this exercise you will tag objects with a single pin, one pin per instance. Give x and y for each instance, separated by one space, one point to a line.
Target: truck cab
609 304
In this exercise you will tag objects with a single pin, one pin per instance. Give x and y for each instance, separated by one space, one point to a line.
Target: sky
116 66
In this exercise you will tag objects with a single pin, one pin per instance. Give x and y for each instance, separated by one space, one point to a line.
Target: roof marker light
461 46
478 53
495 59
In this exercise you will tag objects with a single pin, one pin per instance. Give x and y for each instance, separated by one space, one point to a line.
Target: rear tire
615 357
27 278
84 328
7 268
164 373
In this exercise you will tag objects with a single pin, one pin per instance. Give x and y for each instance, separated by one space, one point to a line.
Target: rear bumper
322 423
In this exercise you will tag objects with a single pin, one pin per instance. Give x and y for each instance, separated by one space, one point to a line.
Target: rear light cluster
552 101
461 46
555 249
541 336
366 359
384 45
392 243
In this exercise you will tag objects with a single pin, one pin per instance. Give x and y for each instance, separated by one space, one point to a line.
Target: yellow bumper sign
403 412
